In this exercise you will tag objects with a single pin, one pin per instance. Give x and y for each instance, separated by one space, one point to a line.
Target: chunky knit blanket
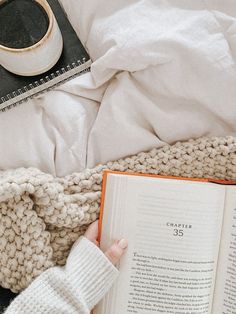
41 216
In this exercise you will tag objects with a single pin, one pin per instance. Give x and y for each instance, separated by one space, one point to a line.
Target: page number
178 232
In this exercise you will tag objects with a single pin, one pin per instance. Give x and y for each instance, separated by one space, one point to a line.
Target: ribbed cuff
89 271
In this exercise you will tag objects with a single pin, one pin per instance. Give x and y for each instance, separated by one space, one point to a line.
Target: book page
225 287
173 228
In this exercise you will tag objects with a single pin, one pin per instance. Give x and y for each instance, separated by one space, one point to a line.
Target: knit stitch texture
42 216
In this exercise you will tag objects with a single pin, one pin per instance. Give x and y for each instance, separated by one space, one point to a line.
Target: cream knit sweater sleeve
75 288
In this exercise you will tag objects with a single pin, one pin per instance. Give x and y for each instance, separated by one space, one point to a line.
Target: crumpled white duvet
163 71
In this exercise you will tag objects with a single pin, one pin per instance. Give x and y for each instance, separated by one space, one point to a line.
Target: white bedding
163 71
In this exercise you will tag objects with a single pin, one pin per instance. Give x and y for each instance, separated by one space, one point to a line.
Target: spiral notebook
74 61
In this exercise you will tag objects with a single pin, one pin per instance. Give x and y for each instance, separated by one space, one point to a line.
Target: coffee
22 23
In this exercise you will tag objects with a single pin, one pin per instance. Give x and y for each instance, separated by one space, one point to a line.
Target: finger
116 251
92 232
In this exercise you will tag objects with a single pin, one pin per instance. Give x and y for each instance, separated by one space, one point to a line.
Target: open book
182 244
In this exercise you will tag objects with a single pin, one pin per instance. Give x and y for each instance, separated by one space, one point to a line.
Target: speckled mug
41 56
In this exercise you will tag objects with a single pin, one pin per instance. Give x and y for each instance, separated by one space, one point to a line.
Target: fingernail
123 243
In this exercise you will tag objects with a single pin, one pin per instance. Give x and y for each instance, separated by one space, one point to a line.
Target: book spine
44 84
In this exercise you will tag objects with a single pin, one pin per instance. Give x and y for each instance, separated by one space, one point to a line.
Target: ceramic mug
39 57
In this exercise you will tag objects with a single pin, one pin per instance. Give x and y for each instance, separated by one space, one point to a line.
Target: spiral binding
44 84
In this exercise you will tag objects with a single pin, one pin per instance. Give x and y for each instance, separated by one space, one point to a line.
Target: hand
115 252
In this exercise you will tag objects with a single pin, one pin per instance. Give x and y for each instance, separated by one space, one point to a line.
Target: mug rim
44 4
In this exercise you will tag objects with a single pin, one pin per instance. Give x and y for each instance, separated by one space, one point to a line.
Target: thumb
116 251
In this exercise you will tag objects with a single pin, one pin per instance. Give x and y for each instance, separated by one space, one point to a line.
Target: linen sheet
163 71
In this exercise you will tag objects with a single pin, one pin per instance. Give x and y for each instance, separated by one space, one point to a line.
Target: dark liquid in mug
22 23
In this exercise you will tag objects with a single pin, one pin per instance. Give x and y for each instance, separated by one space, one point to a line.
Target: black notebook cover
74 60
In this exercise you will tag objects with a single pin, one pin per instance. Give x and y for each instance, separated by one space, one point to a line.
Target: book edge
45 86
103 195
